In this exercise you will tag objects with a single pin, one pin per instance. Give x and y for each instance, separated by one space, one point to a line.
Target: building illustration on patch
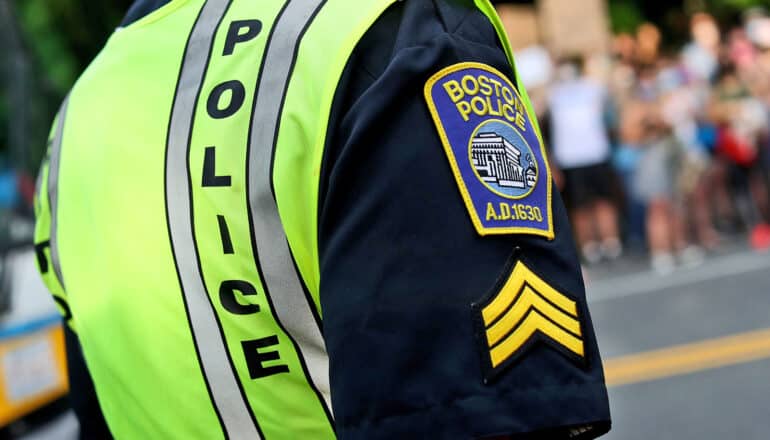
499 162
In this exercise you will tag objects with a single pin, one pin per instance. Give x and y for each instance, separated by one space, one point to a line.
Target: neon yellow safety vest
179 199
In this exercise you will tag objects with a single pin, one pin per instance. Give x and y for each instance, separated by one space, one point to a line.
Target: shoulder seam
427 43
443 21
459 25
441 16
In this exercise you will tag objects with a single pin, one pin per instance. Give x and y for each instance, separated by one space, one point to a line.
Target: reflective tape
53 189
291 305
221 378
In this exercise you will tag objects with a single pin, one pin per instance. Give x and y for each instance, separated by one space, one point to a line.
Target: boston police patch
494 149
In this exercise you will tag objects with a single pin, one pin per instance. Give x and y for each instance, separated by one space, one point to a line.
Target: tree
50 43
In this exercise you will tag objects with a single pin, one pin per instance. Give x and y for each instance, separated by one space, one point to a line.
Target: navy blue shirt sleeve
140 9
401 263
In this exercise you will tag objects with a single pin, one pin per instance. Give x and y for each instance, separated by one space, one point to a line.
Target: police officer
308 219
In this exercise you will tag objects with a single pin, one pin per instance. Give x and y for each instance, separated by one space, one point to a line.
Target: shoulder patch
496 154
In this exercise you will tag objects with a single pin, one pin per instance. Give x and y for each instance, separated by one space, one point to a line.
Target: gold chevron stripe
522 274
525 305
529 299
532 323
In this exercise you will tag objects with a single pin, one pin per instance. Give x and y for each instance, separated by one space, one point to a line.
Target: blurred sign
29 370
520 22
33 368
575 27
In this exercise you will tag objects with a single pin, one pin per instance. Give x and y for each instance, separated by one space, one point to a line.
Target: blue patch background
458 135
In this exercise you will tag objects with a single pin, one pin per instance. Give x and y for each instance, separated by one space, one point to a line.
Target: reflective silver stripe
53 189
280 278
214 357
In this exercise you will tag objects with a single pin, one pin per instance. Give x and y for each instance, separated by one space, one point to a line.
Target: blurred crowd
658 148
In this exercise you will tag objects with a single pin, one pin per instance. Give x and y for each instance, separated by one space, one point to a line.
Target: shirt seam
427 43
440 16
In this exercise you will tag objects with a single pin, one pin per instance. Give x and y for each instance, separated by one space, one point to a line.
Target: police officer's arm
407 281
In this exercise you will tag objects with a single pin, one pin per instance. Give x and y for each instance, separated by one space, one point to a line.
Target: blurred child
680 109
656 183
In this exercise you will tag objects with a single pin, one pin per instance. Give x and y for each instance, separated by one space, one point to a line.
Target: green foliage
59 38
50 50
737 4
65 35
625 15
727 11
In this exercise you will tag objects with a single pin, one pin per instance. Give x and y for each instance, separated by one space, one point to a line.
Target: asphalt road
687 355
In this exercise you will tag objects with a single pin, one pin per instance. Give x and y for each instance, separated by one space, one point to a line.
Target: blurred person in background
630 112
681 108
701 54
648 40
700 63
742 127
581 152
655 184
753 71
654 179
741 51
756 30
